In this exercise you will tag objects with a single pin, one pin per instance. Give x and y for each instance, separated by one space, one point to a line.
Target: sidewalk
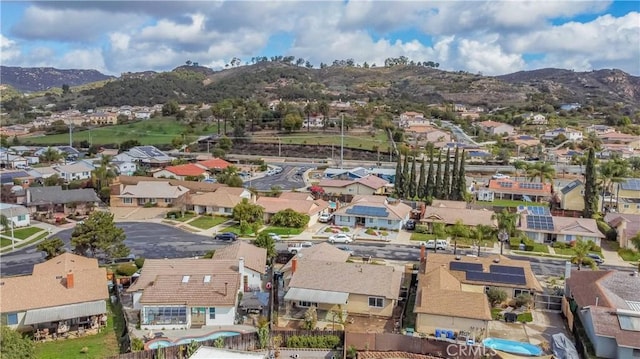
47 228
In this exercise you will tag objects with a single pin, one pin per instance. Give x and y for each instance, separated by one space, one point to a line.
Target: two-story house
77 171
628 196
569 133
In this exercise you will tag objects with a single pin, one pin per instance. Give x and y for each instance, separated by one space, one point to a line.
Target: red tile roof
188 169
215 163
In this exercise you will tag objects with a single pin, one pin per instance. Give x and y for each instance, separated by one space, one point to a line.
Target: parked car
325 217
500 176
340 238
274 236
294 248
410 225
596 258
436 244
226 236
346 249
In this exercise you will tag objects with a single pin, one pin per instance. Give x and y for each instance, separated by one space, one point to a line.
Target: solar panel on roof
465 267
540 222
538 210
496 278
526 185
632 184
494 268
368 211
505 184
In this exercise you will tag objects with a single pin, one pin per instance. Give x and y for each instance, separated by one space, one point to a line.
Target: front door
197 317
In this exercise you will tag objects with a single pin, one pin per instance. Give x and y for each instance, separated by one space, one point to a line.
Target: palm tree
612 171
581 251
481 233
519 165
507 221
267 242
458 230
540 170
51 155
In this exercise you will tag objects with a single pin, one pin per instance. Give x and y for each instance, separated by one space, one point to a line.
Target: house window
10 319
626 206
127 200
152 200
636 353
389 222
164 315
370 220
568 237
307 304
376 302
168 200
582 192
212 313
517 292
228 210
22 217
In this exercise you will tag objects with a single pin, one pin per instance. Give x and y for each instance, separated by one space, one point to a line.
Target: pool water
512 346
163 343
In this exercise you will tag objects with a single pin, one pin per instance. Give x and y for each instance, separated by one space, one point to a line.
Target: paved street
288 179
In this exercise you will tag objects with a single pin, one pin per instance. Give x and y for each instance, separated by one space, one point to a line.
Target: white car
325 217
500 176
435 244
274 236
340 238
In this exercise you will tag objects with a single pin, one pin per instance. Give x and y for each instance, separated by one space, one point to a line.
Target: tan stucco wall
633 207
573 201
359 304
352 189
428 323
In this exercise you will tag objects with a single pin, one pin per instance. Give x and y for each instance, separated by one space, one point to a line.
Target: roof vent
185 279
458 258
496 260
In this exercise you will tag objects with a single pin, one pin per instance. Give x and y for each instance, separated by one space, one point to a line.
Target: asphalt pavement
290 178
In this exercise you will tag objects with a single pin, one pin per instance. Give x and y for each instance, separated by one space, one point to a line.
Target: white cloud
9 49
487 57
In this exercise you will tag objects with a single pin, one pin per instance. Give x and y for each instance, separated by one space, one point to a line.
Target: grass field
206 222
150 132
366 142
422 236
23 233
101 345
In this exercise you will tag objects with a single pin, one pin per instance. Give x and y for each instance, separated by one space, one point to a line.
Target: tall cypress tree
454 176
412 190
397 184
462 181
446 177
590 186
430 183
421 191
405 177
437 190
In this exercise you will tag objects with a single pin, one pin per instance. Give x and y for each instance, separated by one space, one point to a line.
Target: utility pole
342 141
70 134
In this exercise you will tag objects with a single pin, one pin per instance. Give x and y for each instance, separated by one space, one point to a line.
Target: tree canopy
52 247
99 235
14 346
289 218
265 241
248 212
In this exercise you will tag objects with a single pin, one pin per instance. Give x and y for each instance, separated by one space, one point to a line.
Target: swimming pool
512 346
163 343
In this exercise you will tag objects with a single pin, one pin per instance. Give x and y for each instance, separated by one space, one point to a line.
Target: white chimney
241 271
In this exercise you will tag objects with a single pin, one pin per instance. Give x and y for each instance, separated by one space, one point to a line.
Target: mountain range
277 80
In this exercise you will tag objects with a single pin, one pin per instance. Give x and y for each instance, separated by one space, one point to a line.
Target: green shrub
422 229
560 245
137 344
150 205
328 229
313 341
139 262
528 247
370 232
126 269
523 300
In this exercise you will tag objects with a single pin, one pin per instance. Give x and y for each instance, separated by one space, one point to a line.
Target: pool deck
176 334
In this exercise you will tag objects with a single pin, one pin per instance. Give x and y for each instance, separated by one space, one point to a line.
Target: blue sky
489 37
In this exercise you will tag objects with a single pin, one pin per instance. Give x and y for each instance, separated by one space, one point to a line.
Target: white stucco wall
224 316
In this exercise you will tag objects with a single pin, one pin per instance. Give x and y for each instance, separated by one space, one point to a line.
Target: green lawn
26 243
564 251
495 313
101 345
4 242
365 141
23 233
149 132
236 229
422 236
206 222
525 317
629 255
283 231
186 217
510 203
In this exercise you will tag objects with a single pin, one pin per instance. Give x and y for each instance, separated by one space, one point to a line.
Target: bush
528 247
422 229
126 269
139 262
523 300
560 245
496 295
137 345
150 205
313 341
370 232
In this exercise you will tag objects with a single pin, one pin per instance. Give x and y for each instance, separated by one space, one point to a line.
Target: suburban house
373 212
53 199
318 252
220 202
214 164
496 128
540 226
339 289
126 168
255 263
77 171
299 202
345 174
450 212
17 215
572 196
628 195
514 190
103 118
183 172
477 274
192 186
525 140
387 174
569 133
64 294
20 178
149 155
435 312
410 118
148 193
600 130
477 156
8 160
367 185
608 305
537 119
187 293
631 141
627 226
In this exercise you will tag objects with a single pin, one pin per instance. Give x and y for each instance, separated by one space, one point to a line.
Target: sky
488 37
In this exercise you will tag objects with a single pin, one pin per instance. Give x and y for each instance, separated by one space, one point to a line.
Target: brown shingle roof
181 266
191 185
255 258
450 215
365 279
221 289
435 260
368 354
46 288
275 205
441 203
217 199
319 252
607 324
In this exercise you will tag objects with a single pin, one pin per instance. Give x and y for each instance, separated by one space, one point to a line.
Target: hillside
42 78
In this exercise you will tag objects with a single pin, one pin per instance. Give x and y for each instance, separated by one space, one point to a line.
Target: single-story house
572 196
54 199
16 214
183 172
608 305
345 174
477 274
347 288
149 155
367 185
220 202
496 128
437 290
621 138
626 225
449 215
187 293
65 293
20 178
192 186
214 164
124 168
311 207
161 194
318 252
545 228
255 263
373 212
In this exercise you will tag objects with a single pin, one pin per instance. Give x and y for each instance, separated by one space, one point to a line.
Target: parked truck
294 248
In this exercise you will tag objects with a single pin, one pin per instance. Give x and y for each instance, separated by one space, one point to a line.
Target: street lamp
503 236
